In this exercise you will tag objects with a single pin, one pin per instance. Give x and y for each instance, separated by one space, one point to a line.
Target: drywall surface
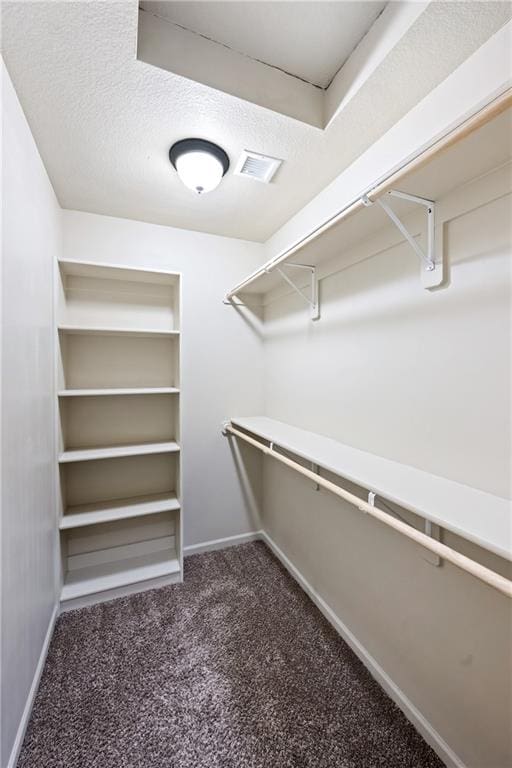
30 244
421 378
221 358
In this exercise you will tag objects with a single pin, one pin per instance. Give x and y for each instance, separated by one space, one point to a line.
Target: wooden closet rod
487 113
447 553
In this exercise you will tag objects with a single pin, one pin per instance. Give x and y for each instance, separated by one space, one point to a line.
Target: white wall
221 358
30 244
422 378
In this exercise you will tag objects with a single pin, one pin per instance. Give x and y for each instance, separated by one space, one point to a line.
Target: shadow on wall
249 471
253 318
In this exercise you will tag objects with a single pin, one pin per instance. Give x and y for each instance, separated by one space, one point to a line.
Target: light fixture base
184 146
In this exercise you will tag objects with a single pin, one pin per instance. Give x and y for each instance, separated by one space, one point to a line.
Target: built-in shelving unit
474 156
118 430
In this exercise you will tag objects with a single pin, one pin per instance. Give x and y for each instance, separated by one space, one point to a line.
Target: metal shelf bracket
432 262
430 529
371 500
312 300
316 469
435 533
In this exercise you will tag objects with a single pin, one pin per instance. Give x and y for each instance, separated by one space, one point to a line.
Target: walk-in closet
256 384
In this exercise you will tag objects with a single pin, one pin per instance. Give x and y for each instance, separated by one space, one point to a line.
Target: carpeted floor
235 668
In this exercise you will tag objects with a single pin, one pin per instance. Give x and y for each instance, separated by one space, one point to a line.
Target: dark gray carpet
235 668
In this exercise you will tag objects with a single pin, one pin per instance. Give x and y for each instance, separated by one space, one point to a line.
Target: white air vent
256 166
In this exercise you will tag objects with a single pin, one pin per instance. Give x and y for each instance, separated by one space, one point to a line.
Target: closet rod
447 553
491 110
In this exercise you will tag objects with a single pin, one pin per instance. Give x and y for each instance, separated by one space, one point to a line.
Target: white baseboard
229 541
20 735
428 732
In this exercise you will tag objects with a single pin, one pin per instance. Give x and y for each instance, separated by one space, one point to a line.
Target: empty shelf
117 451
83 330
484 148
474 515
99 578
118 509
126 272
118 391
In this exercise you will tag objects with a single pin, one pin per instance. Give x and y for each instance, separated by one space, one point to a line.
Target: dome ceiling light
200 164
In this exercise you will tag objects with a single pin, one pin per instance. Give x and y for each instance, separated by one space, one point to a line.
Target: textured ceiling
104 121
311 40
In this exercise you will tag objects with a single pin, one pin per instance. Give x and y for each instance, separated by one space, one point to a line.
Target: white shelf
117 451
82 330
480 152
126 272
118 509
99 578
475 515
118 391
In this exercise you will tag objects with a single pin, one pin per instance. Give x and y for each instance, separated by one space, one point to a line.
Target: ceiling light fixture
200 164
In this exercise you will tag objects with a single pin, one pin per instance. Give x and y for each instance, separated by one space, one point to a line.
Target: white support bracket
312 300
432 258
435 532
316 469
430 530
371 500
233 303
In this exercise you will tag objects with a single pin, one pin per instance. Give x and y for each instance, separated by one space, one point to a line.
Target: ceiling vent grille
256 166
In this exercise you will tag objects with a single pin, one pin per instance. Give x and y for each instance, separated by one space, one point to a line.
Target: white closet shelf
76 268
118 391
118 509
83 330
475 515
475 148
117 451
99 578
